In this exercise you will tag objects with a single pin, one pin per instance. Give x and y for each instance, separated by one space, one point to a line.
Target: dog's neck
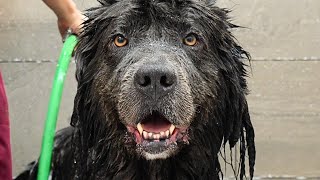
191 163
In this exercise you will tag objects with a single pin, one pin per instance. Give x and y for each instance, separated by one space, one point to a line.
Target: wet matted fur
204 95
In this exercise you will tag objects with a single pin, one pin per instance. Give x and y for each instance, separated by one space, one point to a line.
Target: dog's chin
157 138
161 155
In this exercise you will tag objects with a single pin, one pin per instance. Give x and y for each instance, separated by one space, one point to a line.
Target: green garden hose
53 108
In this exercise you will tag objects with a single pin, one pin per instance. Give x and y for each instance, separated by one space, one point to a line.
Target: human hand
71 21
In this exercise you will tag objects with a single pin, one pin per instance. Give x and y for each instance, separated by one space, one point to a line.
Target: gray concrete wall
283 38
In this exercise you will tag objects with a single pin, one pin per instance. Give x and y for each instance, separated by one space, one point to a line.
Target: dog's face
157 69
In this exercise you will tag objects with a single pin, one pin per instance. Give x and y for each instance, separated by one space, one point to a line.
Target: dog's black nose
155 80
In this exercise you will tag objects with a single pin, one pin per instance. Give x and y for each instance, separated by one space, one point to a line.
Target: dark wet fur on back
98 145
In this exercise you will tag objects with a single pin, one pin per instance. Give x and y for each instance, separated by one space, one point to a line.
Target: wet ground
283 38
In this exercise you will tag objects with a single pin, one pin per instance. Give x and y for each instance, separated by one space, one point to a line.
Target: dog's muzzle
155 102
154 134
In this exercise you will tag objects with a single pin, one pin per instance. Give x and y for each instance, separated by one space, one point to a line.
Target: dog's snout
155 80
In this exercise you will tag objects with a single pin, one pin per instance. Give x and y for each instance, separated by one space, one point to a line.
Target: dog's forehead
159 16
159 9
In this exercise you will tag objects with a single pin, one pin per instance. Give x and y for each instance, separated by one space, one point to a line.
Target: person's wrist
72 21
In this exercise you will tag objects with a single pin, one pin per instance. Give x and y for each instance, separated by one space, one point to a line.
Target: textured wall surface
283 38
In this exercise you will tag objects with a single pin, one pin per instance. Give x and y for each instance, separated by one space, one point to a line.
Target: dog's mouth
155 134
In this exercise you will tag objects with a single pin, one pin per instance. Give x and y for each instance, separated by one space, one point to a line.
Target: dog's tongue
156 125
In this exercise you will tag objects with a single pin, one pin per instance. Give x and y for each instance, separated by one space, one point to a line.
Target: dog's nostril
146 81
166 82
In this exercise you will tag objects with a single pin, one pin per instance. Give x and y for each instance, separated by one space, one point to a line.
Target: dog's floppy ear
237 125
85 54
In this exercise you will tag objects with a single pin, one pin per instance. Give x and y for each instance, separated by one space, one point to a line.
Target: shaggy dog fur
171 61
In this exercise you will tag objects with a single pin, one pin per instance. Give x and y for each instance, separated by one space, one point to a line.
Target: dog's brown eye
120 41
190 40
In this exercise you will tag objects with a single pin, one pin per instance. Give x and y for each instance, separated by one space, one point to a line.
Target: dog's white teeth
162 134
171 129
156 136
167 133
140 129
145 135
150 135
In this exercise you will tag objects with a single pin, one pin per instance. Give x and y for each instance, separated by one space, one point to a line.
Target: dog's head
157 76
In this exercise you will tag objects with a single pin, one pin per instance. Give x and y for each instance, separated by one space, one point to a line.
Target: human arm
68 15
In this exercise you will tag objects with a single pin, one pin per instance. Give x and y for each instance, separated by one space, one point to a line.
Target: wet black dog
161 87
